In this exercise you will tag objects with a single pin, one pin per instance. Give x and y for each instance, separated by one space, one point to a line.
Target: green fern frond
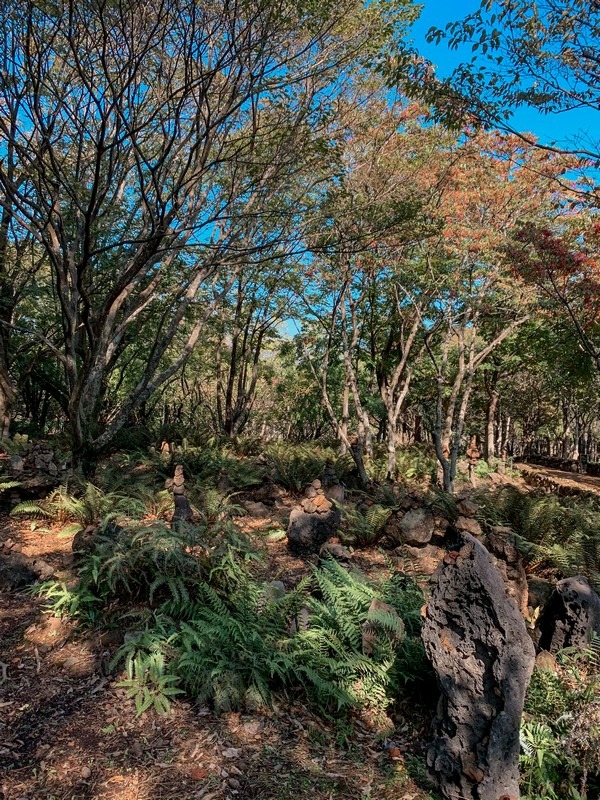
29 508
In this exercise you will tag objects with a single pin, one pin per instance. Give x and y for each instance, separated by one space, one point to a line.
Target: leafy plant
558 532
416 462
82 508
365 525
77 602
560 735
146 656
294 466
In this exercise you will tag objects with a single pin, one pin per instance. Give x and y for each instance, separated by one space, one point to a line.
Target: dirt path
569 482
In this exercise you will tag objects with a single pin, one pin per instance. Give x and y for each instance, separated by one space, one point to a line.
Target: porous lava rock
507 559
483 656
571 615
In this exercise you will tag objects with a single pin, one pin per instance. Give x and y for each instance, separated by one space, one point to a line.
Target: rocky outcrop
570 616
477 642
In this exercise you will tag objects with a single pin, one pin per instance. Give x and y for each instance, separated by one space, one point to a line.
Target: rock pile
314 521
36 468
466 521
331 484
183 510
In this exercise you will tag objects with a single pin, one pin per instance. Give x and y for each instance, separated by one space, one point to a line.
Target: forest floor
69 732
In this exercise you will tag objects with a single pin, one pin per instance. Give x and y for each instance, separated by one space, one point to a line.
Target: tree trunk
490 434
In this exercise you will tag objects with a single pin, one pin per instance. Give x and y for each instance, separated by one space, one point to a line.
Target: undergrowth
558 533
202 623
560 732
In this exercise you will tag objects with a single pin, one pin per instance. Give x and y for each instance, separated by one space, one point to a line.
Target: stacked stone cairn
183 510
312 522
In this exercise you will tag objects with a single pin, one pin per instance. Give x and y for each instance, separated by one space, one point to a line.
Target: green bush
295 466
551 531
364 525
560 732
416 462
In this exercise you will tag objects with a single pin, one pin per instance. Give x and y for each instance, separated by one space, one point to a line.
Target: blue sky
549 128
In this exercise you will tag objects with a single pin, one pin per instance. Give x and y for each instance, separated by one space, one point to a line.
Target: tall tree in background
151 138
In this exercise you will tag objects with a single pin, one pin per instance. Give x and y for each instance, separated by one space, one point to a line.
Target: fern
295 466
364 527
29 508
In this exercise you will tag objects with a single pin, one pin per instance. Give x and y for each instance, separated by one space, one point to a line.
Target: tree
562 261
545 55
153 138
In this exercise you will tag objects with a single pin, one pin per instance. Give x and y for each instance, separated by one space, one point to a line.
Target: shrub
560 733
365 525
294 466
557 532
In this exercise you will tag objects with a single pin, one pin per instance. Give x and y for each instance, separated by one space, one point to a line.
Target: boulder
307 532
392 528
570 616
467 508
16 572
477 642
468 525
256 509
417 526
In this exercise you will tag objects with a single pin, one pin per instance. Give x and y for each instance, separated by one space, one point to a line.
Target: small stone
338 551
231 752
198 773
86 773
324 506
234 783
309 506
311 492
259 510
316 484
545 660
